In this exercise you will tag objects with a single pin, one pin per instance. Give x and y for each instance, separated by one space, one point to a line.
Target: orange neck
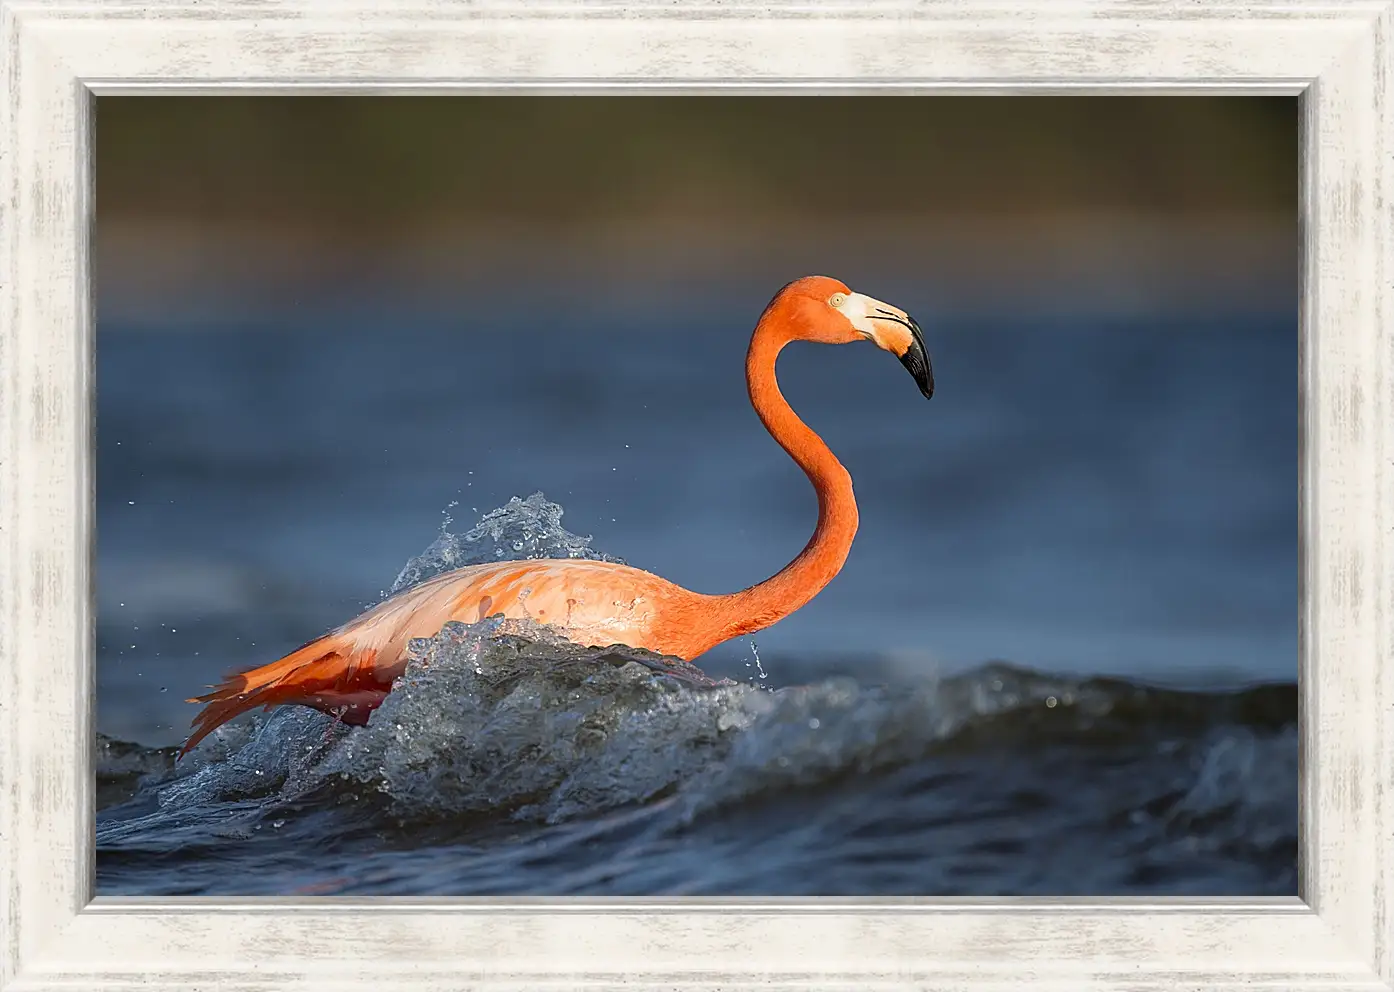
822 558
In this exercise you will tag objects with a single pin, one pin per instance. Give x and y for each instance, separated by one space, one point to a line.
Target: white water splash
520 529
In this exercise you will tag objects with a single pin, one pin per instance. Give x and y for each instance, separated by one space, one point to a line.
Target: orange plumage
350 670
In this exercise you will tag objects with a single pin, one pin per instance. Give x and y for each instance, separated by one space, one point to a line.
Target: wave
496 727
485 725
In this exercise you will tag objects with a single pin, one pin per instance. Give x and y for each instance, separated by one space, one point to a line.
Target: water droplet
1050 702
756 652
814 724
163 689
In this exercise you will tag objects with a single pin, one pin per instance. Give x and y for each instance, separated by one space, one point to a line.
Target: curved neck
822 558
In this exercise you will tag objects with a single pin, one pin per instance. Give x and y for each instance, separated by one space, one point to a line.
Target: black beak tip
916 361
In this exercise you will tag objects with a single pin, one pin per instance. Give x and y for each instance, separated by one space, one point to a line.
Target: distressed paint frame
58 54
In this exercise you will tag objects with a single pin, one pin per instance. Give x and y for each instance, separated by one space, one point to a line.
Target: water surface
1061 657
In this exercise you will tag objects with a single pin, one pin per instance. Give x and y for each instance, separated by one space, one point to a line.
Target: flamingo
350 670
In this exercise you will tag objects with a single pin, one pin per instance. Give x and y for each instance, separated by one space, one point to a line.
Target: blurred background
329 326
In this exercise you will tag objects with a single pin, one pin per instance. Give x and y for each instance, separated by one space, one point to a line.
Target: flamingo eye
837 299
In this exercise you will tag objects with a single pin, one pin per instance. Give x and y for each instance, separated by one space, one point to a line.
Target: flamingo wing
350 670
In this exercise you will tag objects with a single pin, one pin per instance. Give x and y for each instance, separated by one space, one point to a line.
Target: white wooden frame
58 53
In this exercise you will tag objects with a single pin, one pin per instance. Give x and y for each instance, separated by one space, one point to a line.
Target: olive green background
1048 201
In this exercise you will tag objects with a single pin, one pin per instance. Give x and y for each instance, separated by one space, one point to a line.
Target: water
1108 507
508 761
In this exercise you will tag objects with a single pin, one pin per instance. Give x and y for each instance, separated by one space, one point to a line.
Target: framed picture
519 248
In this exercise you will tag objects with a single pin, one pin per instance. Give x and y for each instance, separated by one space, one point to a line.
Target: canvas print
697 496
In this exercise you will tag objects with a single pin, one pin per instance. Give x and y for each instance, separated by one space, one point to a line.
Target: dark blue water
1060 659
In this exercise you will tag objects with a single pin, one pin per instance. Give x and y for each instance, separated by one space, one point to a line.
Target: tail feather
323 666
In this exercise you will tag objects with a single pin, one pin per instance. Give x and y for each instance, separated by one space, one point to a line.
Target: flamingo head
825 310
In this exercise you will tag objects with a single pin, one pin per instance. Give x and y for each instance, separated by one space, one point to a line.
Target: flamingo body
350 670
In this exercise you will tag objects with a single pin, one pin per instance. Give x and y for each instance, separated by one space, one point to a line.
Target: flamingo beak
916 359
905 340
